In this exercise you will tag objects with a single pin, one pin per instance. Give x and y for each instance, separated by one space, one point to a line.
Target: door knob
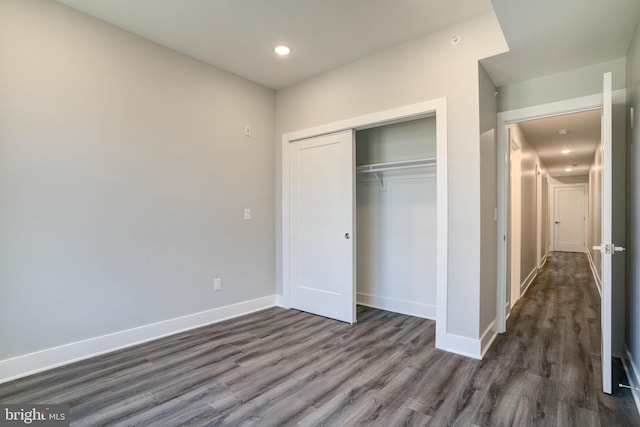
347 236
557 222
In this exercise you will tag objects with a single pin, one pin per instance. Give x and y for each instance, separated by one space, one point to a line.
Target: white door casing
322 226
505 118
568 219
538 194
516 220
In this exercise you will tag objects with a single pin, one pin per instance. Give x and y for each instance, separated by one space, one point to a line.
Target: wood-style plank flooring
283 367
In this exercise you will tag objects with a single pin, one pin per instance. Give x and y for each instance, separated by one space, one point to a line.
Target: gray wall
424 69
528 209
123 177
633 210
488 199
557 87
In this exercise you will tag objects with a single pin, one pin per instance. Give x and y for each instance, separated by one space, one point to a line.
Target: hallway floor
552 350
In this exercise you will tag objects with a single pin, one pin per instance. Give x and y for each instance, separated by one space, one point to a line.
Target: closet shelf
377 168
389 166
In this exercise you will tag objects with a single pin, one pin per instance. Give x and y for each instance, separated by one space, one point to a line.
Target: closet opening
368 196
396 217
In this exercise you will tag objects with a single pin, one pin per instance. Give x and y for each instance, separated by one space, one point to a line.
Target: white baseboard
633 374
280 302
464 346
544 260
487 338
595 273
21 366
524 287
410 308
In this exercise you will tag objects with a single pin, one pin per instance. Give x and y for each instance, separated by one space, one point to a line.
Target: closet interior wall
396 217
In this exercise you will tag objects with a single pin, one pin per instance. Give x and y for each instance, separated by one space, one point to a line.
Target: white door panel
569 218
322 241
607 207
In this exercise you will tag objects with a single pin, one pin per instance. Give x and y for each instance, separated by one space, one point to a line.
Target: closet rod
408 164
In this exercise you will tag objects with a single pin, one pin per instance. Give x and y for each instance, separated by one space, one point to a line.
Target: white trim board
543 261
28 364
633 375
280 301
487 338
464 346
437 107
410 308
524 286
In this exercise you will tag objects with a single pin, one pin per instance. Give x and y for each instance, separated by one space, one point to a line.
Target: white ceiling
239 35
545 36
550 36
582 140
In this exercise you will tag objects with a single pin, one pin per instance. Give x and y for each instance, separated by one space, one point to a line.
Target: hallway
552 352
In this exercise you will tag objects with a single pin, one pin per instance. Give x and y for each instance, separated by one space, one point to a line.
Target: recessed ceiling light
282 50
565 151
568 170
563 131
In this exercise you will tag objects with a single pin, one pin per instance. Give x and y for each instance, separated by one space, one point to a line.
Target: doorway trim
540 218
515 219
437 107
505 118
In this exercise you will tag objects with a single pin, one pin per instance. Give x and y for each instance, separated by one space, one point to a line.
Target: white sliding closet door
322 225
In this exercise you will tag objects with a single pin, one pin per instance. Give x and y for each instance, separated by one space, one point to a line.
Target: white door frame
539 216
552 210
574 105
414 111
515 220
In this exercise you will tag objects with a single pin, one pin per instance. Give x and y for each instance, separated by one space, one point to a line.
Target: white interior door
322 225
569 218
607 248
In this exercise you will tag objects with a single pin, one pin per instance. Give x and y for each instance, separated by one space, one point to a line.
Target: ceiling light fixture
563 132
565 151
568 170
282 50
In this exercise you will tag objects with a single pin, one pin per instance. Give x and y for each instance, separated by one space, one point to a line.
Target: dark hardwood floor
283 367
